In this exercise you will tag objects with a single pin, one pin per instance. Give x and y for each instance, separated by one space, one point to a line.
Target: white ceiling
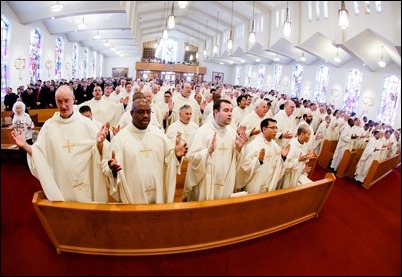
111 20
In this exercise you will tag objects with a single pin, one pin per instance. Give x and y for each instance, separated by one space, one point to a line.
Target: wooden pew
4 114
7 142
327 152
380 169
133 230
347 166
43 114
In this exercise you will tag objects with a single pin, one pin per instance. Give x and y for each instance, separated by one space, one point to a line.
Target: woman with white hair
22 122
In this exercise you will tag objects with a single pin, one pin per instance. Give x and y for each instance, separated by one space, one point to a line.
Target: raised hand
285 150
240 141
261 155
103 132
115 130
179 149
18 135
113 164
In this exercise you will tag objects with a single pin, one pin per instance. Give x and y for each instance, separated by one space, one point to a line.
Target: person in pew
184 125
295 167
138 146
22 122
213 155
261 163
67 156
346 141
370 153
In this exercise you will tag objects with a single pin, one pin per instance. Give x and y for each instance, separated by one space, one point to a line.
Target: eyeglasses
273 127
142 112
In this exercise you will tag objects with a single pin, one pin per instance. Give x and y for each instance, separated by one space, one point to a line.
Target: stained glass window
390 96
297 77
93 73
277 76
59 52
352 91
34 56
248 76
86 61
321 84
261 75
167 51
75 61
238 73
5 29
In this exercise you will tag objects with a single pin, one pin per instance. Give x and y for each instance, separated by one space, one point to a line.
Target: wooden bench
327 152
347 166
119 229
7 141
380 169
43 114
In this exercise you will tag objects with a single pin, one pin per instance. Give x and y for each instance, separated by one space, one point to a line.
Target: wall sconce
302 57
97 36
19 64
82 25
287 25
337 59
172 18
343 15
48 65
251 36
381 62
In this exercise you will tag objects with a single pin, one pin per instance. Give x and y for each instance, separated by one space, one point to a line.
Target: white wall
19 47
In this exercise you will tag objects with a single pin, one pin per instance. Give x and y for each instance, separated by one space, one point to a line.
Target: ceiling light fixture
343 15
57 7
97 36
82 25
302 57
215 48
381 62
205 44
230 40
337 58
165 34
251 36
198 43
182 4
287 25
172 18
276 59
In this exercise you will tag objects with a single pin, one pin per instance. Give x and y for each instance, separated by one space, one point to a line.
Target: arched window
277 76
352 91
297 77
321 84
261 75
34 56
93 73
86 62
391 92
238 73
59 52
248 76
5 31
75 61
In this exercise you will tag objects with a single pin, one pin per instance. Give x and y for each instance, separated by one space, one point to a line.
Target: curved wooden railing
118 229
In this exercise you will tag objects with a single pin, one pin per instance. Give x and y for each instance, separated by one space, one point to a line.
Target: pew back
347 166
380 169
327 152
43 114
118 229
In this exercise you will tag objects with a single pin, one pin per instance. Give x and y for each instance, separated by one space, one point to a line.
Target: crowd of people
126 140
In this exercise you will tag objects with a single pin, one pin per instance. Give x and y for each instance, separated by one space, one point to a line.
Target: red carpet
358 232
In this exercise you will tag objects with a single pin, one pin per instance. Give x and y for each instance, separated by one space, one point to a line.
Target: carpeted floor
358 232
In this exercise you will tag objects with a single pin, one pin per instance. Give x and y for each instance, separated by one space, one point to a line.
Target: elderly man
67 154
286 123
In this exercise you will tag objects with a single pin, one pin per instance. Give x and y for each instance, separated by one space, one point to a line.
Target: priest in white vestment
144 162
240 111
261 163
345 142
286 123
184 98
370 153
66 157
296 161
252 121
212 157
